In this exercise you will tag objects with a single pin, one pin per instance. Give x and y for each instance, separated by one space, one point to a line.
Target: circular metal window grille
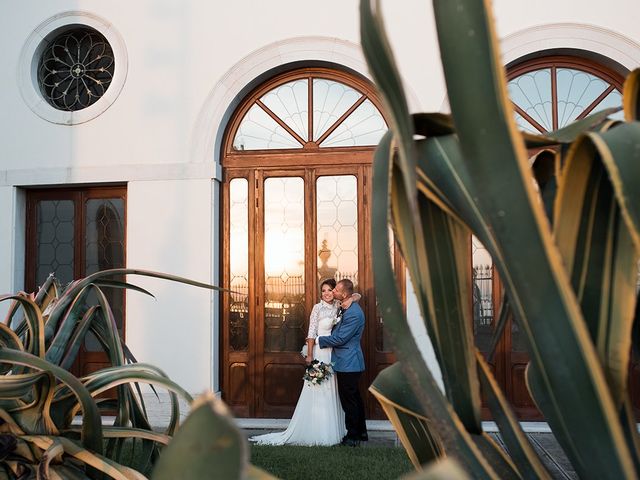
76 69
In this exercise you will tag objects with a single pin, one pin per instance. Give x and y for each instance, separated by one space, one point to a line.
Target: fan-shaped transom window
308 110
552 92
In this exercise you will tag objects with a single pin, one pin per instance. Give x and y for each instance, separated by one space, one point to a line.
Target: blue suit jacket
345 340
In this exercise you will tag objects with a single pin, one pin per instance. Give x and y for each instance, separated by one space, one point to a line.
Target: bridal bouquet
317 372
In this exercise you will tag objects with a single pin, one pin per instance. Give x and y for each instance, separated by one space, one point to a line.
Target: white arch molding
567 36
208 132
590 38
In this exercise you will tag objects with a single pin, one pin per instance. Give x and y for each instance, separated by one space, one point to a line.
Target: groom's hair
347 285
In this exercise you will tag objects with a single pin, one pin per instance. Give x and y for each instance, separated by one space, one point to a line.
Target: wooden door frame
79 195
229 357
255 357
315 161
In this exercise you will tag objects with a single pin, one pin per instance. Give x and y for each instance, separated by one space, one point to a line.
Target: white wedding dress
318 418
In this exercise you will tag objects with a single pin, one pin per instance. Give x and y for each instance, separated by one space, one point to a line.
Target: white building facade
151 156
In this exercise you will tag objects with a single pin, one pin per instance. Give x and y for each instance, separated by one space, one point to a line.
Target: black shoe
350 442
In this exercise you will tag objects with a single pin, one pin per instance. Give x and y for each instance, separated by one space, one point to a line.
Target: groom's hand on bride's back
355 297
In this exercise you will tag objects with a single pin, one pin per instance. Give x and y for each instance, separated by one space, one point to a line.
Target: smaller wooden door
72 233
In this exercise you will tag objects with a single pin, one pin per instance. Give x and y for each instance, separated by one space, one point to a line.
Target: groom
348 362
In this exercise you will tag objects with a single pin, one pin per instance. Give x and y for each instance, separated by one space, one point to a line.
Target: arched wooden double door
296 195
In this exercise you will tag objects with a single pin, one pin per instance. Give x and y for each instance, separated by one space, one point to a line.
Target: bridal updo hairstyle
329 281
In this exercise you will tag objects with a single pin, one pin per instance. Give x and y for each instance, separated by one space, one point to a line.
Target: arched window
309 110
551 92
296 193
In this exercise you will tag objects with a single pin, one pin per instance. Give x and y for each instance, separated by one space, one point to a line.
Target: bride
318 418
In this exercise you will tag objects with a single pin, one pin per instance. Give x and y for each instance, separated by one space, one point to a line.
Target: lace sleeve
313 321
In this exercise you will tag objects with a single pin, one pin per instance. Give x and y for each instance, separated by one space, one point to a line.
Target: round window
76 69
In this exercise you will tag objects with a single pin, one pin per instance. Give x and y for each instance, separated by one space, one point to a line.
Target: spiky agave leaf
75 288
432 241
562 355
34 323
208 444
416 432
631 96
496 160
105 379
57 334
456 440
96 461
91 421
447 469
27 398
598 249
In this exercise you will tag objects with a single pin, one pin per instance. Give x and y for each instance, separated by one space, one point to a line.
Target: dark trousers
352 404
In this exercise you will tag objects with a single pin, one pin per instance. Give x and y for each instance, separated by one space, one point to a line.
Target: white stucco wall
169 230
617 15
178 51
188 60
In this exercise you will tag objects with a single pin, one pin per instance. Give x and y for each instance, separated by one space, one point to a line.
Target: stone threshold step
375 425
372 425
282 423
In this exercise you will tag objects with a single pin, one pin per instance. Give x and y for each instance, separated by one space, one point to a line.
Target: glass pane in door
54 244
482 287
239 264
337 217
104 249
284 312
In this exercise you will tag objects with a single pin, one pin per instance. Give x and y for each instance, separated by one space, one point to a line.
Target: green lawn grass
307 463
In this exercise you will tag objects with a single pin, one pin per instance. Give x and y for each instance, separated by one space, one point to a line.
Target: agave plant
564 236
39 397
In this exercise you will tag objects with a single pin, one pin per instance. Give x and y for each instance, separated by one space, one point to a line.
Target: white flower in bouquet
317 372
